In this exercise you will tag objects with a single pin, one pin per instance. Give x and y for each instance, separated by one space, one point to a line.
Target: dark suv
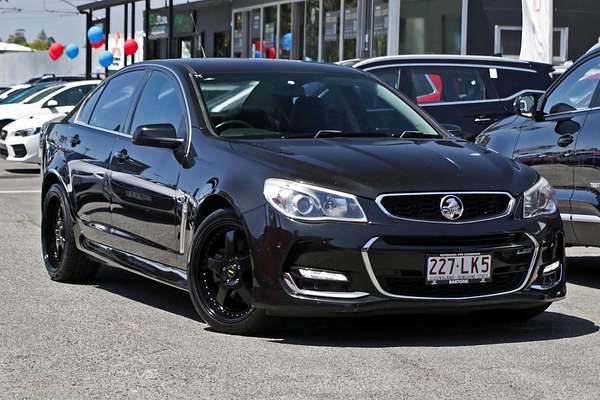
558 135
280 188
471 92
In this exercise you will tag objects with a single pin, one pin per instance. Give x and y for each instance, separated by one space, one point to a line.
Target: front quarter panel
502 136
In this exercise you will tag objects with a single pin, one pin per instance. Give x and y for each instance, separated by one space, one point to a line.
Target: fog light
551 267
322 275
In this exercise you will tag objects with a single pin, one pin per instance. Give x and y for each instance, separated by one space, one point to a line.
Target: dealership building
334 30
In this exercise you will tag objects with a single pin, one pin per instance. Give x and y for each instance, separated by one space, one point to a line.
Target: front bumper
384 261
21 149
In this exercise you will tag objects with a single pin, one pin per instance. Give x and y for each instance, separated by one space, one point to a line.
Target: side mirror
526 105
157 135
51 104
454 130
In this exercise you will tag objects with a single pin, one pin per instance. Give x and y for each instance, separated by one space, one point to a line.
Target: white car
20 140
55 99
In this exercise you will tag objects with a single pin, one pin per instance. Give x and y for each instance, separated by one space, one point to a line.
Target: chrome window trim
426 64
375 282
76 122
411 57
508 210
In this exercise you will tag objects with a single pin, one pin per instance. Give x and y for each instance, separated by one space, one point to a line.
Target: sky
60 20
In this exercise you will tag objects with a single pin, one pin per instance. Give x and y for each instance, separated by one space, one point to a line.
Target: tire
63 261
220 277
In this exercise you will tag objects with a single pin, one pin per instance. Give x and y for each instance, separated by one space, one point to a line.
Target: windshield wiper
330 133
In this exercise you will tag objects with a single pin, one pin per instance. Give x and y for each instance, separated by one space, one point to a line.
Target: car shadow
584 271
147 291
24 171
390 331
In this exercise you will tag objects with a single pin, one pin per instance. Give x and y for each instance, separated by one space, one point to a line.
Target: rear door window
509 82
434 84
113 106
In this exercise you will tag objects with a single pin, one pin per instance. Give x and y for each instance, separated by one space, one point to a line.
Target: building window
311 45
222 44
255 34
430 26
238 35
331 30
350 29
507 41
285 31
380 28
269 32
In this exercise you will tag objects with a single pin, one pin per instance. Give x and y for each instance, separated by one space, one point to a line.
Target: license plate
456 269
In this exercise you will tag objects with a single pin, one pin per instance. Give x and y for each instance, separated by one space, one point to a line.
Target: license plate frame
458 268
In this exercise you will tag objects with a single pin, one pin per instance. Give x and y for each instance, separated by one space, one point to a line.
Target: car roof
212 65
448 58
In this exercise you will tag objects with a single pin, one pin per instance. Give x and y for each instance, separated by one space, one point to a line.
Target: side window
508 82
160 103
114 103
388 75
88 106
71 97
444 84
576 91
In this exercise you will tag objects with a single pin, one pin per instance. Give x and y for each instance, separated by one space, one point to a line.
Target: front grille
398 264
3 134
3 151
19 150
426 207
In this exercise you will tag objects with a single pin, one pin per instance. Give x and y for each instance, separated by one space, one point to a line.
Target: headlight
540 199
312 203
27 132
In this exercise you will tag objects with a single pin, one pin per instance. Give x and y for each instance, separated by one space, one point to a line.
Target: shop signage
331 26
158 24
380 19
183 23
350 23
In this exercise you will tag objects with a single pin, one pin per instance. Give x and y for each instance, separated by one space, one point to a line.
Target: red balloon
130 47
97 45
55 51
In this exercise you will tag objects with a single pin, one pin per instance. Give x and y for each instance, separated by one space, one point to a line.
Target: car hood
15 111
34 121
368 167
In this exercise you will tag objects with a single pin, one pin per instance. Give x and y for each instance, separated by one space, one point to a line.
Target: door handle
484 120
122 156
75 141
566 140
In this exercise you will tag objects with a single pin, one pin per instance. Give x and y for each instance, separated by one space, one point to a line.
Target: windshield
305 105
25 94
43 94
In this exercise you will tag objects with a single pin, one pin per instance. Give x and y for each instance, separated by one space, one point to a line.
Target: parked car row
26 108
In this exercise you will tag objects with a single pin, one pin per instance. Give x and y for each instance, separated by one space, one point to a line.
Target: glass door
285 31
331 30
238 35
254 46
269 32
350 29
311 22
379 30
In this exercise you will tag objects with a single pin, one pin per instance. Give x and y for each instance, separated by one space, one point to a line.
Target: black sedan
471 92
557 134
280 188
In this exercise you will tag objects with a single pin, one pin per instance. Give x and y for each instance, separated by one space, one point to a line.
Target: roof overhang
99 4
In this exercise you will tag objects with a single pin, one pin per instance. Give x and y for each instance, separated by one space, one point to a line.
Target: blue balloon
95 34
105 59
286 41
256 54
72 51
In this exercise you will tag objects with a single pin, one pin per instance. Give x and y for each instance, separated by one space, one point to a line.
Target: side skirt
150 269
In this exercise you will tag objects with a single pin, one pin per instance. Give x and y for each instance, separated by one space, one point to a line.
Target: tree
18 38
41 42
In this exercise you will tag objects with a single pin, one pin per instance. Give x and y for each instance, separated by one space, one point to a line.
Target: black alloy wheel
63 260
220 276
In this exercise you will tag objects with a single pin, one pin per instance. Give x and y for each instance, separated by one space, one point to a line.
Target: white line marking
19 191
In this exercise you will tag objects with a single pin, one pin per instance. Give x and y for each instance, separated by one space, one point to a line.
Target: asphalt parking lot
128 337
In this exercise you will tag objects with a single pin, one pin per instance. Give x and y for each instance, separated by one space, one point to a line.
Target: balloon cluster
95 36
